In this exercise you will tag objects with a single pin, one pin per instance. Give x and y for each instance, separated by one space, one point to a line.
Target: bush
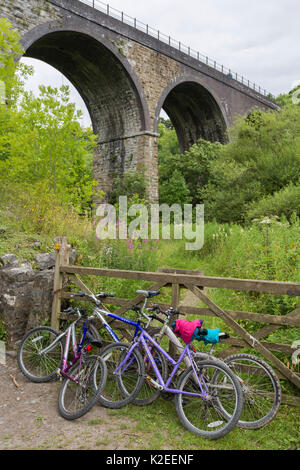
284 202
132 184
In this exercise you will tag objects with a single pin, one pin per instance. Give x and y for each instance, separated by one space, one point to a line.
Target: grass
164 430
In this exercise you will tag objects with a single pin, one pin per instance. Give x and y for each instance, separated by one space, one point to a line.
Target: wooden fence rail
196 282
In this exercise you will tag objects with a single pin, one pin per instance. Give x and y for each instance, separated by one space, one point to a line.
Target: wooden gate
197 283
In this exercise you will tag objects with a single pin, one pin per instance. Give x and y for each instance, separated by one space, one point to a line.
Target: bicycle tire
35 367
148 393
94 332
85 393
206 410
122 388
260 405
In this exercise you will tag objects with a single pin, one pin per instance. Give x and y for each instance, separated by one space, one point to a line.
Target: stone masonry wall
26 14
26 293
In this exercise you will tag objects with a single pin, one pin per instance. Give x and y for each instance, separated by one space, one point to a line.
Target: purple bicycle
208 395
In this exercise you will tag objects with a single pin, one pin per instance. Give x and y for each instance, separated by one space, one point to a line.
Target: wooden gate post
62 258
175 304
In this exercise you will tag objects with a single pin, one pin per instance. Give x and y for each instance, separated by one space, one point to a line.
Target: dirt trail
29 419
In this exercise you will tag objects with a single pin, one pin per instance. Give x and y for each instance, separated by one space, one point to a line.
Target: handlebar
73 311
170 312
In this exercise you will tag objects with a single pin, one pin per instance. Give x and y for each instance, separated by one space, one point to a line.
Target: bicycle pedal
153 384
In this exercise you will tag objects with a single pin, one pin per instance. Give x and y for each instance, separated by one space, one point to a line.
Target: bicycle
147 395
261 405
260 384
208 391
43 348
43 367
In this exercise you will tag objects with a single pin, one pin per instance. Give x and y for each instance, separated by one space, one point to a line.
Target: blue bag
212 336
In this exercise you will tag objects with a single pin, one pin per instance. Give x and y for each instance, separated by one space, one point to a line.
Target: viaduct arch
125 76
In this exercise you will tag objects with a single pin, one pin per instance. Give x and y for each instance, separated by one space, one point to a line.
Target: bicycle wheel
202 415
148 392
121 387
77 394
261 390
35 366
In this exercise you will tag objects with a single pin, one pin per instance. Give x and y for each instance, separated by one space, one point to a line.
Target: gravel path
29 419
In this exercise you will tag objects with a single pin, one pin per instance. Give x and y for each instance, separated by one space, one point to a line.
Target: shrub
284 202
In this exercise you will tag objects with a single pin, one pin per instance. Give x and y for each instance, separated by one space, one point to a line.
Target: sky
259 39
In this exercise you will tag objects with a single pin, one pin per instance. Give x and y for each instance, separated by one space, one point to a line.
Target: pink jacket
185 328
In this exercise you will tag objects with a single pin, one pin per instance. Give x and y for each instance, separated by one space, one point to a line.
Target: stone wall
26 14
26 294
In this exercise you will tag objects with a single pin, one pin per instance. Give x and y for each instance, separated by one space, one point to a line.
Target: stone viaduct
125 77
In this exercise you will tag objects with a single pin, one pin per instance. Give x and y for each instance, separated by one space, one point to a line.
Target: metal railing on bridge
145 28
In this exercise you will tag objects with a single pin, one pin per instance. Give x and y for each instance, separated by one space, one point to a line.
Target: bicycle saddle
94 342
148 293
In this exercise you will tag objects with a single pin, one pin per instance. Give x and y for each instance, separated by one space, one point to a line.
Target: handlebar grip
155 317
224 335
135 308
177 312
69 311
104 294
78 294
202 331
152 309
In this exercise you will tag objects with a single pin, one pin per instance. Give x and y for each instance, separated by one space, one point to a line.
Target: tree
11 71
174 190
194 165
168 143
45 142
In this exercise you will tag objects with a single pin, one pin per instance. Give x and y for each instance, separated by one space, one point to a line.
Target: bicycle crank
153 383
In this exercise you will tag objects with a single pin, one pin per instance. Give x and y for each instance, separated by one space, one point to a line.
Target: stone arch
107 84
195 111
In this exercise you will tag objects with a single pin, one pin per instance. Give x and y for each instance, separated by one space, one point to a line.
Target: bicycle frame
97 311
161 385
70 331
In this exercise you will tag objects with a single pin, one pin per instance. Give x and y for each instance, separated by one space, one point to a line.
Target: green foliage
44 142
10 50
42 145
174 190
194 165
285 202
267 144
37 212
168 142
247 175
132 184
286 99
